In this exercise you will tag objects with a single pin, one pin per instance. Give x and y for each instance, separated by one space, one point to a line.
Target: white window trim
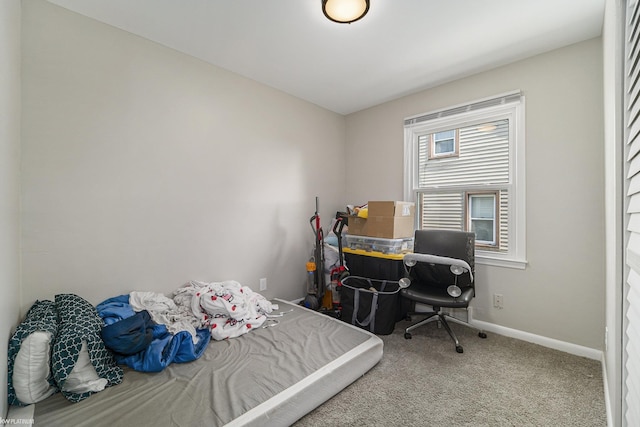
514 111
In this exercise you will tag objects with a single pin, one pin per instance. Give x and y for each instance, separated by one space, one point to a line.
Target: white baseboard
574 349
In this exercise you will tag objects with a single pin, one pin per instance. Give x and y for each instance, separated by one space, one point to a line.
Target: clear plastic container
376 244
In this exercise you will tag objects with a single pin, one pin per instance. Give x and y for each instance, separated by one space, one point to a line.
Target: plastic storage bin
374 265
376 244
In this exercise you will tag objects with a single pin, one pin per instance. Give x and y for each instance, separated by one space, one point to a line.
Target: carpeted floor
498 381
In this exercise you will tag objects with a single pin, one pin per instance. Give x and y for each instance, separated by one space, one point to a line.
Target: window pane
447 134
446 146
483 155
483 229
482 206
442 210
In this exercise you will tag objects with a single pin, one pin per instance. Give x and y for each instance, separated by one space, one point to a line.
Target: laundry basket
370 304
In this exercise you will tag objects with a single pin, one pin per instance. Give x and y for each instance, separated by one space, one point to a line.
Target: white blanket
164 311
227 308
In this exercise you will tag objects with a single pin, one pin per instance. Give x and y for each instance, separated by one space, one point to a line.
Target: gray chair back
448 243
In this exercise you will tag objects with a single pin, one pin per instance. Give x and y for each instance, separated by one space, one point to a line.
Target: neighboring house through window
464 168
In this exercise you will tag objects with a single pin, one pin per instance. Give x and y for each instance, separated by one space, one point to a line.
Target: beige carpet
497 381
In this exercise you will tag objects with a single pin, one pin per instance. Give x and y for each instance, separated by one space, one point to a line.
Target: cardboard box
395 209
387 220
390 227
357 226
390 220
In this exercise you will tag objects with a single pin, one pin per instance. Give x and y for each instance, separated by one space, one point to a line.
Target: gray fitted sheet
270 376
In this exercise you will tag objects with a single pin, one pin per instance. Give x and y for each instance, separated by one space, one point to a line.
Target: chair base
441 317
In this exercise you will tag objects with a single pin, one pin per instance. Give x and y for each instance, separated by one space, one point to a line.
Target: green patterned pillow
80 323
29 376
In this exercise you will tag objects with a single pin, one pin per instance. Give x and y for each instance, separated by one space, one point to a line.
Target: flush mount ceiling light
345 11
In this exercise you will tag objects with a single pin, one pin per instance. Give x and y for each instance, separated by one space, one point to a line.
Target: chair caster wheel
407 336
482 335
459 349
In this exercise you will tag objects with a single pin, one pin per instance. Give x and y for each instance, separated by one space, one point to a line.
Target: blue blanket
140 343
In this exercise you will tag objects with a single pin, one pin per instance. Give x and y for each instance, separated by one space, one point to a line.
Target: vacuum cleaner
315 274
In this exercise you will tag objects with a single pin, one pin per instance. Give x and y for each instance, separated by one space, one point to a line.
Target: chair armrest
435 259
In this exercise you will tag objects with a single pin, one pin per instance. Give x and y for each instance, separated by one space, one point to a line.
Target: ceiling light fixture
345 11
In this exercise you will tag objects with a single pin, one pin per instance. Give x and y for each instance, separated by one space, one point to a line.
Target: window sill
490 259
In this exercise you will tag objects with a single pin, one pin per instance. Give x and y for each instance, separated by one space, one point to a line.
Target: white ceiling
400 47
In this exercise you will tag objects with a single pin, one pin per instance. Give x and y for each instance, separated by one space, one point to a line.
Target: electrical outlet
263 284
498 301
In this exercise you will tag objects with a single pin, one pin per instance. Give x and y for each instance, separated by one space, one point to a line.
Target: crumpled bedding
227 309
165 312
162 349
180 326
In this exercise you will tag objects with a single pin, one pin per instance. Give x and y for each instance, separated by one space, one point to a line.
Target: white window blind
631 374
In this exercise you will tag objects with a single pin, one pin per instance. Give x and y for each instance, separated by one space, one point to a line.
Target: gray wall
144 168
560 293
9 181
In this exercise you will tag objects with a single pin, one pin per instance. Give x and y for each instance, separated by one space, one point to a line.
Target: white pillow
31 368
83 377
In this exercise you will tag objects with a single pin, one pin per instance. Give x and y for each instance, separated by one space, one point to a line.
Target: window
482 219
443 144
464 168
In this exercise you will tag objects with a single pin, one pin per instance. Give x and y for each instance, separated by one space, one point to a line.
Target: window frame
469 114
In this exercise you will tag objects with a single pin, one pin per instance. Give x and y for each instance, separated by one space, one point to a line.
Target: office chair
440 272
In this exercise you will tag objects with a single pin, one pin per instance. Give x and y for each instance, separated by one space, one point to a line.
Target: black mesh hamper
370 304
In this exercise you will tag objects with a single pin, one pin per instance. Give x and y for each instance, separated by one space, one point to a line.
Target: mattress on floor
270 376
